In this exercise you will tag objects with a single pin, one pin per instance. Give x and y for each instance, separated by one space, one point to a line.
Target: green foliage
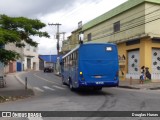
16 30
8 55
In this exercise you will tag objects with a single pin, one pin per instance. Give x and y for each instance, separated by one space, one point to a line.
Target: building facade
135 27
30 58
12 65
28 61
66 45
72 41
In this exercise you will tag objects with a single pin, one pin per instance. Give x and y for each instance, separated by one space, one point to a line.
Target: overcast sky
66 12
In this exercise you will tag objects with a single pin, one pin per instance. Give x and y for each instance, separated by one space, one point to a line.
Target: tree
16 30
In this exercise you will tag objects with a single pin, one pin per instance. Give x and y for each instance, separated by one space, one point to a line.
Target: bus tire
71 85
63 83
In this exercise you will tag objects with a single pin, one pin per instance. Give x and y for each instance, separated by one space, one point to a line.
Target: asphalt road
51 95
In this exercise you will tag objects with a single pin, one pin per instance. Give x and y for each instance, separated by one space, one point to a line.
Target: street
51 95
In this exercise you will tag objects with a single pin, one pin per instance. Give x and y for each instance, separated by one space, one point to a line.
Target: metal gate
156 63
133 64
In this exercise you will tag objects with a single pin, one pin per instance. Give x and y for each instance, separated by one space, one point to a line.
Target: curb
23 82
156 88
29 90
135 88
129 87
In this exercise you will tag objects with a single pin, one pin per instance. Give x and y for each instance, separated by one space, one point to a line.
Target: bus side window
64 62
71 60
76 58
67 62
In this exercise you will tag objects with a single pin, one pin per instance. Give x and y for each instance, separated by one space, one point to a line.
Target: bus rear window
108 48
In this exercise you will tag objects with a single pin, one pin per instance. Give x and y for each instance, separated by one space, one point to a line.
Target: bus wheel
63 83
71 85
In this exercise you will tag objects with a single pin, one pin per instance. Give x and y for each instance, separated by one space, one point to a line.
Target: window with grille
116 26
89 36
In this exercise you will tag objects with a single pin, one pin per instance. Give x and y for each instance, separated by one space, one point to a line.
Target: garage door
155 63
156 60
133 64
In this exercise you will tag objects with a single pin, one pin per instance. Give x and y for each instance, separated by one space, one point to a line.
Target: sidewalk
134 84
14 87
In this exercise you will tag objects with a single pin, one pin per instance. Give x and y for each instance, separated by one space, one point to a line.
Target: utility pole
57 35
63 34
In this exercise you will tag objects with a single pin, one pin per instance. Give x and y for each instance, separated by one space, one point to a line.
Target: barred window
89 37
116 26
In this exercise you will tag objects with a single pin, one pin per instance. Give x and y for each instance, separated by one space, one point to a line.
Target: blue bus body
91 65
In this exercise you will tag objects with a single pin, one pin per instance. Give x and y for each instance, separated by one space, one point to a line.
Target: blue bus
93 65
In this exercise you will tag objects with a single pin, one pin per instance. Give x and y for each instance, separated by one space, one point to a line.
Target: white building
30 58
28 61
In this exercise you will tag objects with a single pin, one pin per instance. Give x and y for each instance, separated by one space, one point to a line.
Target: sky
66 12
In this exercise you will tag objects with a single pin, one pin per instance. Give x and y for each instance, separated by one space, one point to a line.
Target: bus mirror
61 63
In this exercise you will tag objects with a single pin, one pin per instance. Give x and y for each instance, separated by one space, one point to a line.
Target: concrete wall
152 19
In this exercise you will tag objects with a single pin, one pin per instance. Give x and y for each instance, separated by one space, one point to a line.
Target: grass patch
10 98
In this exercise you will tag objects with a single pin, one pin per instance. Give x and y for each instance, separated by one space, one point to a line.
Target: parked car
2 82
48 69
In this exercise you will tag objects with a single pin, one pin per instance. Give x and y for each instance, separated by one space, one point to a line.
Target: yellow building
65 46
72 41
135 27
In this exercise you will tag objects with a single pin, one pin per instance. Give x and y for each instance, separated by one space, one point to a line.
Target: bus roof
77 47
